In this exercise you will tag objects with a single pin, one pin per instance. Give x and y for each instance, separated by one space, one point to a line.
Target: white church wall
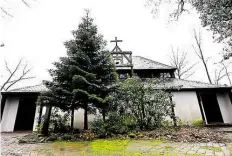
36 118
225 107
9 114
79 118
186 106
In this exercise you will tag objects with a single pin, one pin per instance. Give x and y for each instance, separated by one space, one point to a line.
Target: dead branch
9 82
184 69
6 12
26 3
223 72
199 52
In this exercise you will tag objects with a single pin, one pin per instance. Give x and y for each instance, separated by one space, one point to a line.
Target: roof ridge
201 82
154 61
25 87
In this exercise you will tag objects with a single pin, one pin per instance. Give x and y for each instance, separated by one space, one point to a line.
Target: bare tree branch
6 12
223 72
9 82
11 74
199 52
26 3
184 69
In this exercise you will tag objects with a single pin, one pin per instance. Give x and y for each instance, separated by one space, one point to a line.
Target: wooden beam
123 52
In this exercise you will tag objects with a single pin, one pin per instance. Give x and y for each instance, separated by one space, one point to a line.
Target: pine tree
85 77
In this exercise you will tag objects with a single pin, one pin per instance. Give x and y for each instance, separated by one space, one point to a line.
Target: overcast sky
37 33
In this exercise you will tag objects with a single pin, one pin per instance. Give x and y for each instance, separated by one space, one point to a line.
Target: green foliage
198 123
58 121
139 99
84 78
114 124
39 128
216 15
167 123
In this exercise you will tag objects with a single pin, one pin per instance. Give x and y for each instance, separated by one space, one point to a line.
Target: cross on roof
116 41
116 48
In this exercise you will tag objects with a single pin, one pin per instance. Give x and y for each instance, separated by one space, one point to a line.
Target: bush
147 105
58 121
114 124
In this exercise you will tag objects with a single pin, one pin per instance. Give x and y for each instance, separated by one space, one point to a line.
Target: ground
10 146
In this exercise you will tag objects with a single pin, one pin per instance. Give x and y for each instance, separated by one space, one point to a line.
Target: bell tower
122 59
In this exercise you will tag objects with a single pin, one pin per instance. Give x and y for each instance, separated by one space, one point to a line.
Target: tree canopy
85 76
216 15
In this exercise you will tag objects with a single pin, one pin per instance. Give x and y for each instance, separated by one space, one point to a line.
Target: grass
230 148
128 147
108 146
169 148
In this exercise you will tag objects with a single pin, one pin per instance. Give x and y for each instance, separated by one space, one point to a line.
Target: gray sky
37 33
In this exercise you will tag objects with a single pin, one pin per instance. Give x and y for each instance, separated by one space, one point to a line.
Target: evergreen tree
84 78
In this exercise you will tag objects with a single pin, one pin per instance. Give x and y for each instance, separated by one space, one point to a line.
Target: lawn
122 147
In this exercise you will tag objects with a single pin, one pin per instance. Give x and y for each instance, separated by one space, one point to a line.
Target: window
165 75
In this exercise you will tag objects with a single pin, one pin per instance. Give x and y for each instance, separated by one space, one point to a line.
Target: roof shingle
140 62
31 89
186 84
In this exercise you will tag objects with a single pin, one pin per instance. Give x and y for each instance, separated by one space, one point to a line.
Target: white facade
187 109
9 114
186 106
79 118
225 107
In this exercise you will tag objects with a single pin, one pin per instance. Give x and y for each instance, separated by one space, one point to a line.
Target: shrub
58 121
114 124
149 106
39 128
167 123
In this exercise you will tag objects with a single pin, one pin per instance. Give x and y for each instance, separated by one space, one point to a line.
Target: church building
193 100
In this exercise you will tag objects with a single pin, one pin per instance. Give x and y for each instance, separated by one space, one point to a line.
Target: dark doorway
25 115
211 108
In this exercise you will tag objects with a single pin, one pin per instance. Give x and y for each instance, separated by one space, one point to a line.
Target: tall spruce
85 77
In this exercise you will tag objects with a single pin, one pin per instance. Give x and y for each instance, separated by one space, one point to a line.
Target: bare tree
199 52
222 72
6 11
13 78
184 69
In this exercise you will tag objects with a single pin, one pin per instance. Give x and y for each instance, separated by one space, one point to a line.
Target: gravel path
10 147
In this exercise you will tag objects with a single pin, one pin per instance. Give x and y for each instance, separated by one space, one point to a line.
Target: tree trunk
104 114
207 72
40 114
173 116
72 119
86 117
46 120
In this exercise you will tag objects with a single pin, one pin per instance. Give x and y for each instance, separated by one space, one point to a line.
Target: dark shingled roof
186 84
171 83
140 63
29 89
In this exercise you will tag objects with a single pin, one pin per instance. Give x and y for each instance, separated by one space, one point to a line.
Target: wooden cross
116 48
116 41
